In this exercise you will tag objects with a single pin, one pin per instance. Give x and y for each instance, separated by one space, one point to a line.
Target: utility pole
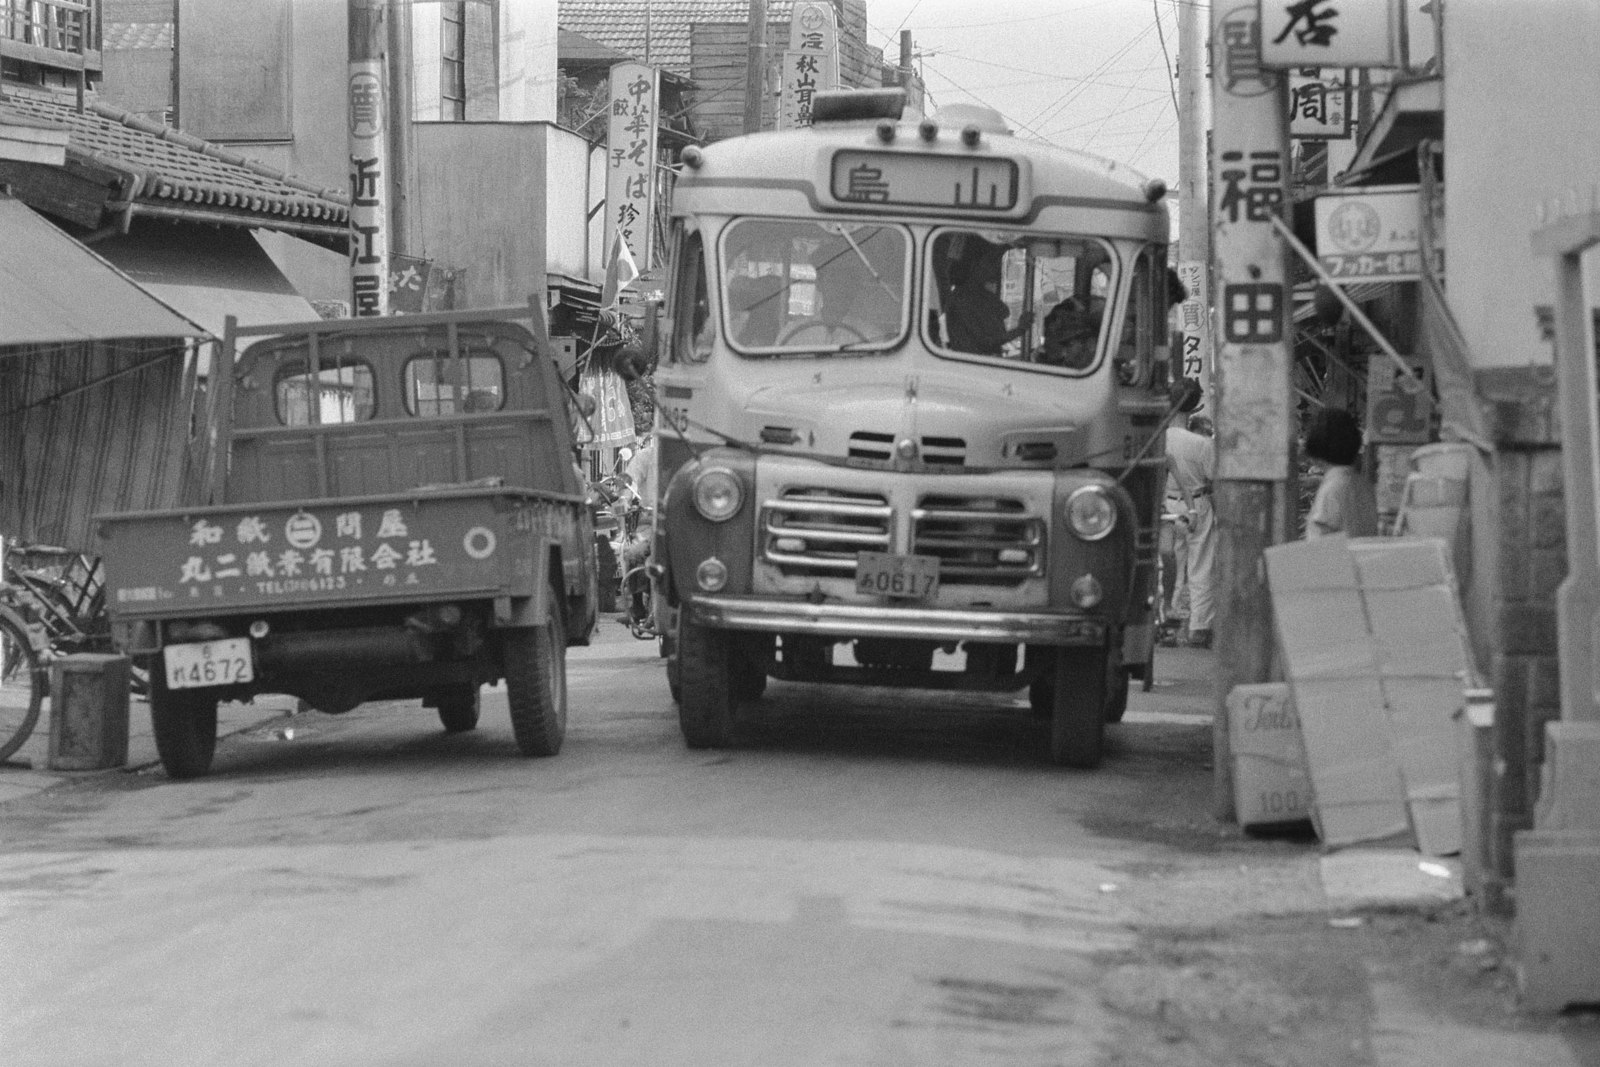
1250 183
369 183
398 37
1194 207
755 89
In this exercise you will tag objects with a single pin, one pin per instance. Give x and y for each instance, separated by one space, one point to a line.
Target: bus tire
536 682
706 682
1117 682
185 727
750 661
1080 700
458 708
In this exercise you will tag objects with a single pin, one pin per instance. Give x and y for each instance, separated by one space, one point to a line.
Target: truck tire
185 727
536 683
706 696
1080 699
458 708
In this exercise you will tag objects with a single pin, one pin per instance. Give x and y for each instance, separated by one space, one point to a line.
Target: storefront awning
53 290
208 273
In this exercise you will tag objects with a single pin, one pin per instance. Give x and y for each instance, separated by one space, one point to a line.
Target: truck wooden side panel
299 555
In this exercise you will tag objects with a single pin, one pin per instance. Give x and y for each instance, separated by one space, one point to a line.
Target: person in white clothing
1191 463
1345 502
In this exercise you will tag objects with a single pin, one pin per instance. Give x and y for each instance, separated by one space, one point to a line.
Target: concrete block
88 712
1558 918
1569 797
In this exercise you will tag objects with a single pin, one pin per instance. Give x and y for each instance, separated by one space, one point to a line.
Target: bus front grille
817 531
979 539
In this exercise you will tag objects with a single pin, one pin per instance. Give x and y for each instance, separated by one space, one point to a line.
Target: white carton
1270 783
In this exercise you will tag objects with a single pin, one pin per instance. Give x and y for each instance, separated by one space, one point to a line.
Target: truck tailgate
357 551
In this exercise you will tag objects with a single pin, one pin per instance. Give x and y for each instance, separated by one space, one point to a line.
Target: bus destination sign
967 183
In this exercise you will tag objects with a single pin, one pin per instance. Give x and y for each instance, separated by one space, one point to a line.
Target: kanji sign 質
631 159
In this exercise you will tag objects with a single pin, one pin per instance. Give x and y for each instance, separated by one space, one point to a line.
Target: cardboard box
1424 671
1270 784
1332 666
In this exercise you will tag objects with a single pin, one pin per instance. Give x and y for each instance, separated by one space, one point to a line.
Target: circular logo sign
1354 226
366 104
812 18
479 542
302 529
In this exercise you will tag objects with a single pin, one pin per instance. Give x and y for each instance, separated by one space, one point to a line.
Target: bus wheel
706 682
185 727
1117 679
535 665
1082 681
751 661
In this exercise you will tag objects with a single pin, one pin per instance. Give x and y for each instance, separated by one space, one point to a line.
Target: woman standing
1344 502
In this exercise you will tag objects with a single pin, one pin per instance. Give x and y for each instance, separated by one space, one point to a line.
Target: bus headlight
718 494
1090 513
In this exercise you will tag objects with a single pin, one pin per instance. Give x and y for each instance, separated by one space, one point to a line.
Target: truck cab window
794 286
332 395
435 384
1024 299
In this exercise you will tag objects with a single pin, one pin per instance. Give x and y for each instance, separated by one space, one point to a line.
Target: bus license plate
907 577
209 663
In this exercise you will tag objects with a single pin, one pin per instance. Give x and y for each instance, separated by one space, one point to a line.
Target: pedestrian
1345 502
1191 466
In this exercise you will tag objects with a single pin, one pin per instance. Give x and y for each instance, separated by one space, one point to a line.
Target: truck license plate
907 577
209 663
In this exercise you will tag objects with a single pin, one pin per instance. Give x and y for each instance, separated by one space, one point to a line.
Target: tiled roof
620 24
183 172
135 36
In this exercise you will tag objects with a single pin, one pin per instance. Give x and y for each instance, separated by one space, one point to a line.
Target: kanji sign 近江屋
1330 33
631 158
810 64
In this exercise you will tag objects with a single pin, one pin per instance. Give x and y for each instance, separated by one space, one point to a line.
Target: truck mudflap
857 620
305 554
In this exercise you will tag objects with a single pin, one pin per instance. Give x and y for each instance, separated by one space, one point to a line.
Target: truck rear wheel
458 708
1080 700
706 696
536 683
185 726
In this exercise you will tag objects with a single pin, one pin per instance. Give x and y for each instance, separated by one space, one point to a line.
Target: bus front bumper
870 620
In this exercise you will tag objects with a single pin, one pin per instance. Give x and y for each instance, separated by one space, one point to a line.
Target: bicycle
22 680
60 595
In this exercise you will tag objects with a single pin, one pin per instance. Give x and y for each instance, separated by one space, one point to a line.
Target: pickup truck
388 509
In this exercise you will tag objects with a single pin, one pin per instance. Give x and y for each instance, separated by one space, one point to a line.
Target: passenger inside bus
757 309
852 305
1070 331
975 317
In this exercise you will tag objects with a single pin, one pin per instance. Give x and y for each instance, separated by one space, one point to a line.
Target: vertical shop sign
369 239
810 64
631 159
1250 141
1319 105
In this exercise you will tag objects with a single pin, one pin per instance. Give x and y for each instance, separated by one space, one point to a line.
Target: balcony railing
51 33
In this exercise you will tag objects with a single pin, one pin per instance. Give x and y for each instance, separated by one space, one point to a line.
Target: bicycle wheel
21 683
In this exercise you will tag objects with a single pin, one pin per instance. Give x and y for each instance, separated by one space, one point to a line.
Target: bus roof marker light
969 136
692 157
928 130
886 132
1154 190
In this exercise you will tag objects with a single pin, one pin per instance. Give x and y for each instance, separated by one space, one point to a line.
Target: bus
912 383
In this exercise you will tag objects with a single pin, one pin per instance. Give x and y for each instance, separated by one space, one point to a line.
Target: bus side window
692 325
1144 331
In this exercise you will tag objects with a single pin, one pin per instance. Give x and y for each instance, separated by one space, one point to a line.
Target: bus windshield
791 286
1038 299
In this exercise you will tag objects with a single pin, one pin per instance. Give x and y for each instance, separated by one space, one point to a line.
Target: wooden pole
755 88
1255 427
369 152
1194 218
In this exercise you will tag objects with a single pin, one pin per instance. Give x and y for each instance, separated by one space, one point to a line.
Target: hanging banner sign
1373 234
1319 106
1331 33
810 64
613 415
369 238
631 159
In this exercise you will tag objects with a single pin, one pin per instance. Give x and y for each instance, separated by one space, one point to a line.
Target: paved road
892 879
